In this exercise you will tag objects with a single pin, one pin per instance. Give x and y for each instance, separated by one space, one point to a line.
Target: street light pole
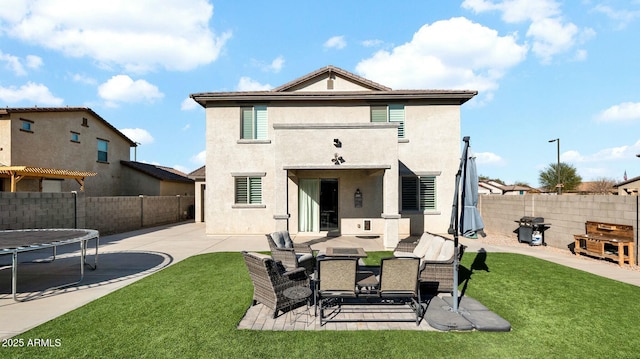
558 186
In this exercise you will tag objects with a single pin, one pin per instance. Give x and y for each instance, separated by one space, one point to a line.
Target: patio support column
390 210
281 213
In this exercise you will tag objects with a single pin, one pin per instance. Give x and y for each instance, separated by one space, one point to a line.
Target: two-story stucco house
331 153
60 149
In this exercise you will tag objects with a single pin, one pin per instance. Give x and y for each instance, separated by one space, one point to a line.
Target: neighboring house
60 149
516 190
593 187
489 187
628 187
493 187
199 176
332 153
152 180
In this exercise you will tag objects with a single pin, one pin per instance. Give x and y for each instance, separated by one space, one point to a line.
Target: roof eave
262 96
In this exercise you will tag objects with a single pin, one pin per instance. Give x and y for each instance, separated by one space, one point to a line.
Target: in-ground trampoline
25 240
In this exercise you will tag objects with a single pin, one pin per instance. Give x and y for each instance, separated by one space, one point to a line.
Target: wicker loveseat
270 279
292 255
436 259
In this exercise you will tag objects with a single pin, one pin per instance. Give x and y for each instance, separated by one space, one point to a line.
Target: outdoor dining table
347 252
26 240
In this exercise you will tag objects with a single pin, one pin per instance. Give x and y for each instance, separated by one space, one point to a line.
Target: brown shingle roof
9 110
200 173
333 70
375 92
158 172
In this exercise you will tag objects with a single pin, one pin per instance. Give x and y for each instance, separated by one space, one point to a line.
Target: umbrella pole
454 226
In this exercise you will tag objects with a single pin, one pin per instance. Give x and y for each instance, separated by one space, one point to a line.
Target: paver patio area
348 317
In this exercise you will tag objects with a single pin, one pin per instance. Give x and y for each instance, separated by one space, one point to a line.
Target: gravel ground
512 241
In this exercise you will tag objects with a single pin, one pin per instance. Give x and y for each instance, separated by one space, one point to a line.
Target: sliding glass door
318 205
309 205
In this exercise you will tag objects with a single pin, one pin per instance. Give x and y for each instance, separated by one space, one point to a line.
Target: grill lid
528 219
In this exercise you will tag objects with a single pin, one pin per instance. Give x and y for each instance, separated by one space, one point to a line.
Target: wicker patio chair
399 280
436 273
270 280
336 280
292 255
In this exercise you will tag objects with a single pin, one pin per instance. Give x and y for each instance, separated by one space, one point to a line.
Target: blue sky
544 69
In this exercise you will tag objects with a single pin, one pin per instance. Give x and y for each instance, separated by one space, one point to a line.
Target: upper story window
254 123
26 125
103 149
75 137
390 113
419 193
85 122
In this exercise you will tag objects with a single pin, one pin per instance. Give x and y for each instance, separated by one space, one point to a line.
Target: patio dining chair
336 281
292 255
270 280
399 280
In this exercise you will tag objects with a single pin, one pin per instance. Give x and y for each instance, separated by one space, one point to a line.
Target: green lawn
191 310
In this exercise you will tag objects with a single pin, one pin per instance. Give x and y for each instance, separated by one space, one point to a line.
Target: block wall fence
109 215
567 214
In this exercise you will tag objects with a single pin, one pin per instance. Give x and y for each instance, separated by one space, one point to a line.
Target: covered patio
18 173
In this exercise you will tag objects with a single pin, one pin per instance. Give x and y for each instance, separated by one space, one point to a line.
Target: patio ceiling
18 173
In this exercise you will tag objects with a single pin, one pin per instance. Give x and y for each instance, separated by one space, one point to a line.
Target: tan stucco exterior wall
5 141
300 145
49 145
135 183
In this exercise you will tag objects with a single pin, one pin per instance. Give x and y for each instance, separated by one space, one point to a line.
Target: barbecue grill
531 230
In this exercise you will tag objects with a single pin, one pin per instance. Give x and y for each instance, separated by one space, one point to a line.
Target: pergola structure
18 173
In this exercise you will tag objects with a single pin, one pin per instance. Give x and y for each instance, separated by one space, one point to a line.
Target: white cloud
33 61
138 36
17 65
551 36
200 158
621 18
31 93
139 135
188 104
607 154
13 63
276 64
514 11
336 42
247 84
550 32
84 79
626 111
455 53
121 88
488 158
372 43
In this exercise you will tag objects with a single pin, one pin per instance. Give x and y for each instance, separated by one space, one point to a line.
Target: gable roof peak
330 71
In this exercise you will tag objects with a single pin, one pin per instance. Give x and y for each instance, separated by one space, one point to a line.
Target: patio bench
340 283
436 255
